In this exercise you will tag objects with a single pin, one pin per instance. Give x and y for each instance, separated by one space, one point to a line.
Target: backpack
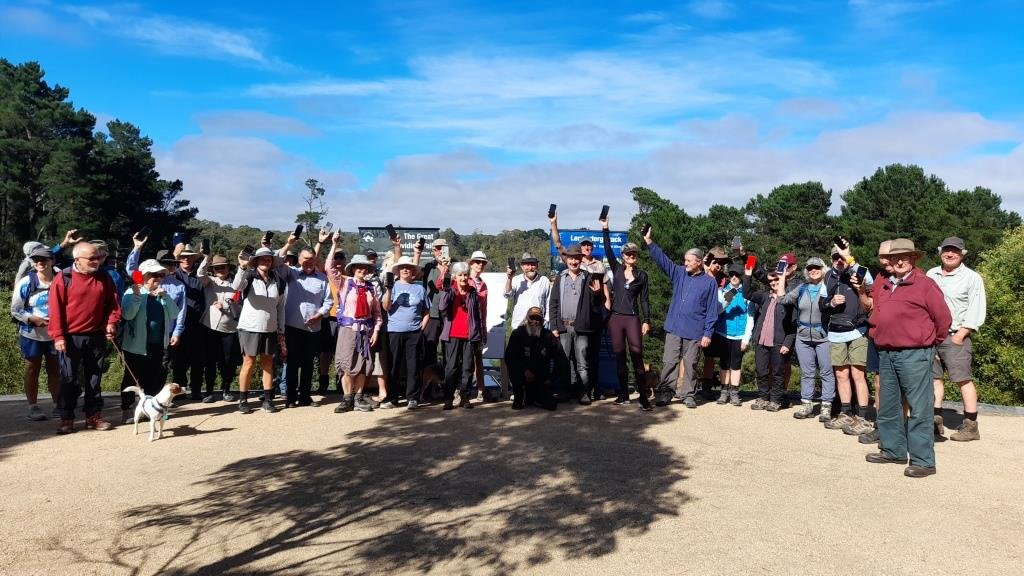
27 291
251 275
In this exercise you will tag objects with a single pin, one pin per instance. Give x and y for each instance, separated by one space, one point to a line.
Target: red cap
137 277
789 257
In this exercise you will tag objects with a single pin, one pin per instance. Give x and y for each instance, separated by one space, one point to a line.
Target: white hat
404 261
358 260
479 256
263 251
151 266
187 251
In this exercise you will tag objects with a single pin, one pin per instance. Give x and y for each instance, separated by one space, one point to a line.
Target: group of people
185 312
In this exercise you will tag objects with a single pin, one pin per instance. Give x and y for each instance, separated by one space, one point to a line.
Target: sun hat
479 256
904 246
165 256
360 261
528 258
187 251
219 260
152 266
439 242
40 252
883 247
574 250
814 261
403 262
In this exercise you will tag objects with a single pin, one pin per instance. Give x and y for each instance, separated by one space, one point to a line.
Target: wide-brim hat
187 251
439 242
479 256
574 250
360 261
165 257
403 262
528 259
737 269
152 266
219 260
904 246
263 251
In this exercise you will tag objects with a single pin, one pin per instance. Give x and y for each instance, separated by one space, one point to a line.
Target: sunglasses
536 318
37 260
836 257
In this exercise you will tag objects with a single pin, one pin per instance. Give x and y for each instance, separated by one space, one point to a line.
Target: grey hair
695 252
460 268
81 248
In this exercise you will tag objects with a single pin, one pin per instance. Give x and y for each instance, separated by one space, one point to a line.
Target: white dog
154 407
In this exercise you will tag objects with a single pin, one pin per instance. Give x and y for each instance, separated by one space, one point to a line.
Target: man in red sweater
910 318
84 312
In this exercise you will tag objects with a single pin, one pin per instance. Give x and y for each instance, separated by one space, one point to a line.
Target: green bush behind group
59 172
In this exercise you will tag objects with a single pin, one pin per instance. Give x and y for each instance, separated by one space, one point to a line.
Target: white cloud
179 36
252 122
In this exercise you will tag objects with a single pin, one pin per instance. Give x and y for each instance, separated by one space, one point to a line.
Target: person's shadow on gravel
492 490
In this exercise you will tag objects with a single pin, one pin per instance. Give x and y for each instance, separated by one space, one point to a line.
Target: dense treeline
57 172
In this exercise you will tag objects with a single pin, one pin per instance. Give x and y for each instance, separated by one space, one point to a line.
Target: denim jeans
814 356
576 346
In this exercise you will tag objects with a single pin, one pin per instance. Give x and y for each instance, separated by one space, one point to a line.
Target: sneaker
35 413
243 407
362 404
412 405
268 407
96 422
869 437
66 427
966 432
585 400
723 398
858 426
806 410
622 400
387 405
689 402
839 421
645 405
465 404
772 407
209 399
346 405
826 412
229 397
940 430
759 404
308 403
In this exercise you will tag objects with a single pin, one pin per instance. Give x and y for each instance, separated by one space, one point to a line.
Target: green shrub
999 345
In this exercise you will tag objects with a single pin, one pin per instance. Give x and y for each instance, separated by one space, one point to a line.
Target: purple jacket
447 311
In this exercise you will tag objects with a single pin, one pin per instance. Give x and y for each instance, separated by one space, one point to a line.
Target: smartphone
861 273
205 246
328 226
604 212
389 280
177 238
392 233
298 230
268 236
551 210
645 230
840 242
145 232
248 250
780 267
512 262
737 243
420 243
751 261
446 255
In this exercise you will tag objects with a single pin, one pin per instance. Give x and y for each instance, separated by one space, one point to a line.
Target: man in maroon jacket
84 312
910 318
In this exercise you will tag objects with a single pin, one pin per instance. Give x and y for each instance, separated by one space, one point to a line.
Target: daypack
251 275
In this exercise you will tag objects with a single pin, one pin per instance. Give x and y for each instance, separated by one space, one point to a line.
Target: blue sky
478 115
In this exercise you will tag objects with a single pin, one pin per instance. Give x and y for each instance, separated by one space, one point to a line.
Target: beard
534 331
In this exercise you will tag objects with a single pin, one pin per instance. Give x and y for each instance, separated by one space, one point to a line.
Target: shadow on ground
489 490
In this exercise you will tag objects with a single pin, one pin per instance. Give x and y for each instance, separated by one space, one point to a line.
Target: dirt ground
585 490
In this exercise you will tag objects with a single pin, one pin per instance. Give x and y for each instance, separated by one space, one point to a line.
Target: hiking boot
620 399
840 421
243 407
346 404
826 412
209 399
966 432
387 405
858 426
361 404
35 413
96 422
915 471
806 410
412 405
734 396
772 407
940 430
759 404
689 402
645 404
883 458
723 398
228 396
268 407
869 437
66 427
585 400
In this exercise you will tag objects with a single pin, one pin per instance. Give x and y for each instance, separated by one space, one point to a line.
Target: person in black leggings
629 302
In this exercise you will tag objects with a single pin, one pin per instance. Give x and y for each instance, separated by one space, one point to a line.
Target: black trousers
187 359
459 365
769 364
536 393
149 369
431 341
303 347
88 353
221 354
406 348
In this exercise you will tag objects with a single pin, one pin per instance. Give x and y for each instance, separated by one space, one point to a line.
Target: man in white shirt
527 290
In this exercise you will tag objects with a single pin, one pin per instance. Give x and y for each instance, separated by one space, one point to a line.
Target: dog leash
124 363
